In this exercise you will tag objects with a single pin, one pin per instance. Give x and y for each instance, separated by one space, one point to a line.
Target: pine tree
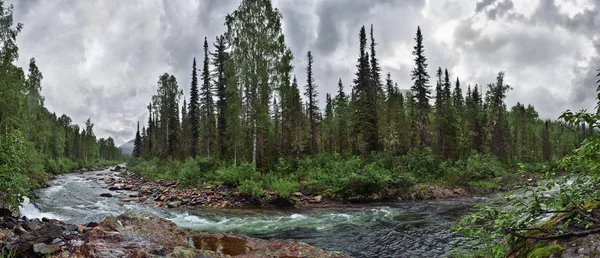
439 111
364 100
137 142
341 116
375 70
285 95
312 108
194 112
219 59
207 106
497 124
457 97
546 146
329 132
421 89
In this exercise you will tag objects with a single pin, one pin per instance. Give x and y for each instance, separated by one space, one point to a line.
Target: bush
423 163
284 187
372 179
13 183
251 187
235 175
476 167
189 173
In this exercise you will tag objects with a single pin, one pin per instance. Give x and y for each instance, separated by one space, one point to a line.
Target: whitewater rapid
395 229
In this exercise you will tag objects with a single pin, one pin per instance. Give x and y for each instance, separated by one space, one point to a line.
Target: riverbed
386 229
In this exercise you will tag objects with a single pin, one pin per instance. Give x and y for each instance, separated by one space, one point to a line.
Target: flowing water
390 229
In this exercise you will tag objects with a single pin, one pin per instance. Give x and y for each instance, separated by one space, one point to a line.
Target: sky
102 59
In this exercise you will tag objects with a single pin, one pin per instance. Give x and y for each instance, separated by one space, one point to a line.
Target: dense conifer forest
246 112
35 143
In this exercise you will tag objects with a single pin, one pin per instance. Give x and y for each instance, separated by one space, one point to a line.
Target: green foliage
13 182
423 163
251 187
283 186
5 253
234 175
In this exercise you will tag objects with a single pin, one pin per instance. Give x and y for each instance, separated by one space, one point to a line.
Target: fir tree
137 142
365 102
421 89
219 59
207 106
194 112
312 108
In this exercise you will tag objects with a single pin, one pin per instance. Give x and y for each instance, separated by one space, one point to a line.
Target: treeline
246 106
34 141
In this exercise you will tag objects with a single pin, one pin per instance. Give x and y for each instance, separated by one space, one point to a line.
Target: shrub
284 187
189 173
251 187
13 183
423 163
235 175
371 179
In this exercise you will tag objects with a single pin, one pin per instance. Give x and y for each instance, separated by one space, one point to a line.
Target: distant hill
127 147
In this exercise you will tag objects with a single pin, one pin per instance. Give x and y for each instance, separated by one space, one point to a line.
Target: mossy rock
545 251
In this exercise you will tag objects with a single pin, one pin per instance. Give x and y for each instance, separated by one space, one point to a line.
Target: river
389 229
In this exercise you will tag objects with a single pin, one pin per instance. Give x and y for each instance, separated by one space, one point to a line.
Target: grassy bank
342 177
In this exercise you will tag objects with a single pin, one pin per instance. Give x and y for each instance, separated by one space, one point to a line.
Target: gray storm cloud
101 59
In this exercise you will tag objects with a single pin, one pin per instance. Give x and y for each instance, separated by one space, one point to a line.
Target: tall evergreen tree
194 111
137 142
312 108
421 89
341 115
219 59
207 106
365 101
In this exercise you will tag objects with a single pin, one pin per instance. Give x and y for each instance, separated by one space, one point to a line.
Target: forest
246 123
35 143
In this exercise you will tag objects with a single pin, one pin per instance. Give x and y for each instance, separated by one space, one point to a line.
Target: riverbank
131 187
135 234
374 229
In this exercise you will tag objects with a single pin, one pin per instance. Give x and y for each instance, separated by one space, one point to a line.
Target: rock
80 228
174 204
134 195
44 248
30 225
298 194
318 199
223 243
128 187
19 230
115 188
107 195
92 224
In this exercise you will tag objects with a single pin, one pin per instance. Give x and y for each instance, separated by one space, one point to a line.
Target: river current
387 229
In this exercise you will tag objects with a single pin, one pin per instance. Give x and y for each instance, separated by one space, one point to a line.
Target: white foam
29 210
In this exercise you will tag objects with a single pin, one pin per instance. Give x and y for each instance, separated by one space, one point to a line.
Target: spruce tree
312 108
194 112
137 142
219 58
365 102
341 116
421 90
207 106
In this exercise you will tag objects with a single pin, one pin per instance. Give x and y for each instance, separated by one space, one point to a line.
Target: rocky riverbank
130 187
167 193
135 234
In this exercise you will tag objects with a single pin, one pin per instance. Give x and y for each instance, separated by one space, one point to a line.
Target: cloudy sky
101 59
